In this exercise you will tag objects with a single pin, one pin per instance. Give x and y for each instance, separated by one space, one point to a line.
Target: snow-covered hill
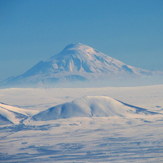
91 106
76 62
11 114
88 106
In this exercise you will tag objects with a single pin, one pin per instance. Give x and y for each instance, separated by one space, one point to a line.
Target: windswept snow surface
129 133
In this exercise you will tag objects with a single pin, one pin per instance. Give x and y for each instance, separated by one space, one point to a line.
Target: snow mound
11 114
90 106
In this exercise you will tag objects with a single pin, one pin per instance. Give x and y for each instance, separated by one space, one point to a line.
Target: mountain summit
80 58
76 62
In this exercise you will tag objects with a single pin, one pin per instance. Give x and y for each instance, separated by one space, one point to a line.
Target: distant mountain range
76 62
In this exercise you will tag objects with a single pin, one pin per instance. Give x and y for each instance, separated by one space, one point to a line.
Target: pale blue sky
33 30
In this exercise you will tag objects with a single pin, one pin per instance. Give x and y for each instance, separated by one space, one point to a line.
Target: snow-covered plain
123 135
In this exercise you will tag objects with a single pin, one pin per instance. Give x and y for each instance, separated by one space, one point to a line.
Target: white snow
118 137
42 98
18 110
14 114
8 116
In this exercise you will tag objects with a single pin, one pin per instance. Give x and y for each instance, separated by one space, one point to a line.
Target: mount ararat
76 62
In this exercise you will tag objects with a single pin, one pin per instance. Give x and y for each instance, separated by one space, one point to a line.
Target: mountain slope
91 106
11 114
76 62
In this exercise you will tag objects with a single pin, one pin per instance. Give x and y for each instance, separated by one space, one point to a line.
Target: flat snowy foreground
32 135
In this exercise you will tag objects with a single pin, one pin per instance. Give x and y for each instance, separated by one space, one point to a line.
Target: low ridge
15 115
91 106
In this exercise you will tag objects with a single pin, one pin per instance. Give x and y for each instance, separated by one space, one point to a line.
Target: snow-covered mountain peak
76 62
77 50
80 58
79 47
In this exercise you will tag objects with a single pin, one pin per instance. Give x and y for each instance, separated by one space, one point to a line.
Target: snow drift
90 106
11 114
